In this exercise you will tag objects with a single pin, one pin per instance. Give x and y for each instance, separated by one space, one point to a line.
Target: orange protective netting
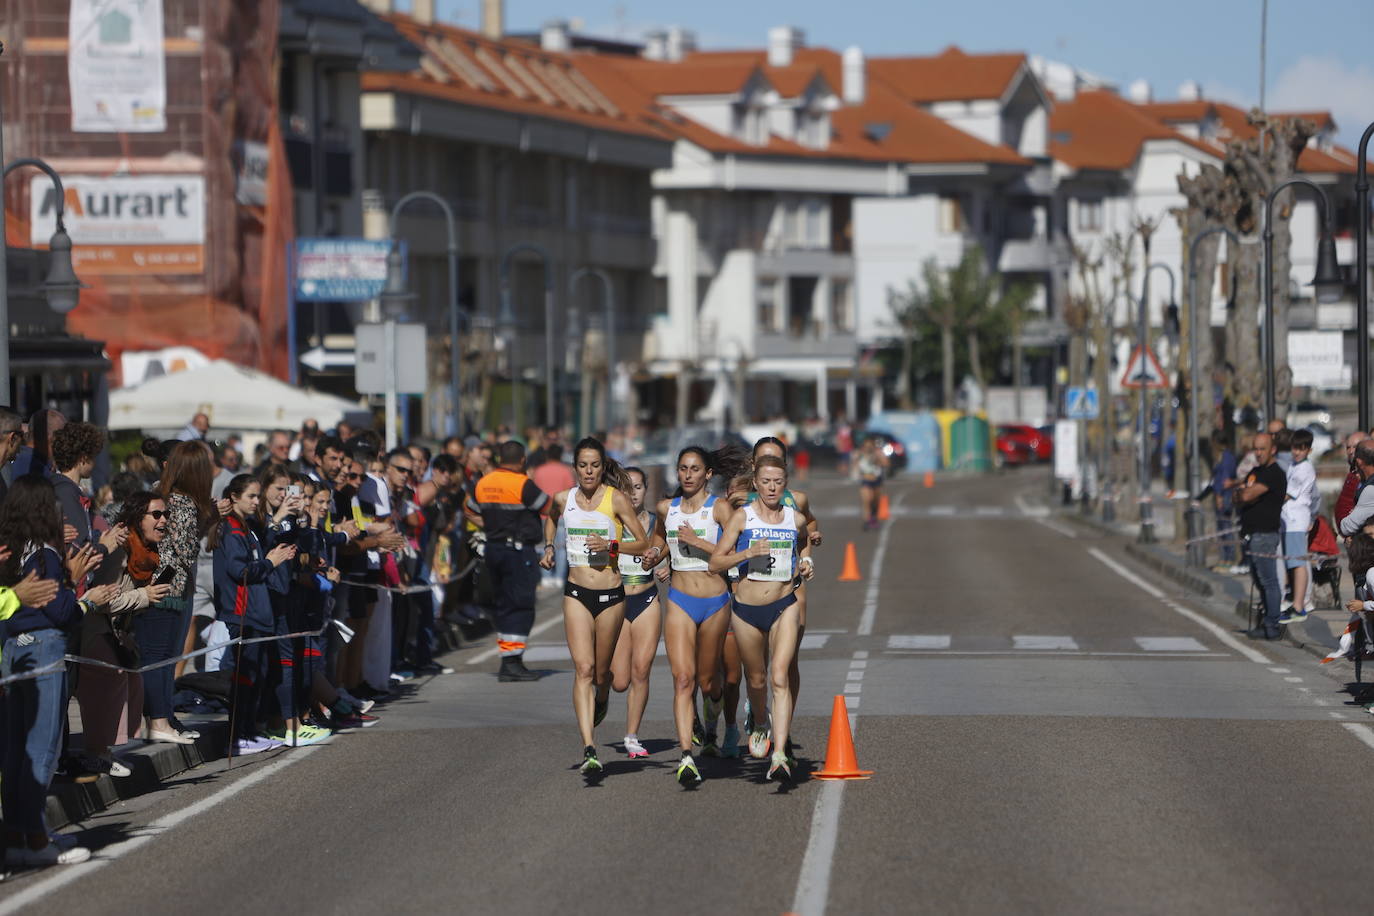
237 308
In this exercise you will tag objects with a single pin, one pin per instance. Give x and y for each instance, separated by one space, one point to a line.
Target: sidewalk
1319 634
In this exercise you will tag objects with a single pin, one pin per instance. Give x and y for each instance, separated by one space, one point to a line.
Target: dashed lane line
875 576
1220 633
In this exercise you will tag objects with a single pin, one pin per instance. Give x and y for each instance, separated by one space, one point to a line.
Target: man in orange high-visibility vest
507 505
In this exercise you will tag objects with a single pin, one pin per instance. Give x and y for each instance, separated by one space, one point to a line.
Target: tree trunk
975 358
947 366
904 383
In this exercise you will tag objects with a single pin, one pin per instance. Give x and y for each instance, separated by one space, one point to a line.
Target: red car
1034 444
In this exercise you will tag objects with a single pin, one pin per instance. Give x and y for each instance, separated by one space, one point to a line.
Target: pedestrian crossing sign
1080 403
1144 371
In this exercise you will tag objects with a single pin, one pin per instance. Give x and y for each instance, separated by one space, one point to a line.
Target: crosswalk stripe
1044 642
918 642
1169 644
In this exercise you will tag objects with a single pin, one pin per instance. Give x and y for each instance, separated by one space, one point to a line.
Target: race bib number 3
578 554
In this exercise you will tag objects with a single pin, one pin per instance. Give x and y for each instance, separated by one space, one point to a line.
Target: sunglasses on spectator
401 467
353 476
159 514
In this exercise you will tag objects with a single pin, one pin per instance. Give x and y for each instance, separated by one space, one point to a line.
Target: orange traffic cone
930 479
884 510
840 762
850 571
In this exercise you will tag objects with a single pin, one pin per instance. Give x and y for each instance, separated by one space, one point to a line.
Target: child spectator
1297 519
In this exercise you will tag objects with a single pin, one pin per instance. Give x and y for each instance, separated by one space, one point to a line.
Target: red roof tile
1235 125
951 75
1099 130
465 67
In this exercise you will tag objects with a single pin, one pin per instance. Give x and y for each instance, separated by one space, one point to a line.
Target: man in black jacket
1261 504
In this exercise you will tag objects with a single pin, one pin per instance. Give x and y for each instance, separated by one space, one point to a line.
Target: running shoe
634 748
1293 615
590 765
599 711
301 737
687 772
698 733
709 748
255 745
780 767
731 746
1369 707
357 720
760 739
748 716
359 706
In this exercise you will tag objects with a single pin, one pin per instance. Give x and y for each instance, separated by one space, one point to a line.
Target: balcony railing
832 344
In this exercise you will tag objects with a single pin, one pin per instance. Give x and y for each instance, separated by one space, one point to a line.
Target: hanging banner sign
340 269
125 225
115 66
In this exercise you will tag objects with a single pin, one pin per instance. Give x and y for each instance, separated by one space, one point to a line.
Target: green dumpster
970 445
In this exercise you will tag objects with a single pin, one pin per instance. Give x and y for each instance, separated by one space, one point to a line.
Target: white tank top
630 568
781 563
686 557
580 524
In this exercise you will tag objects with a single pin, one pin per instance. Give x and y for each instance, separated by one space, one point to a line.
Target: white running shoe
634 748
760 739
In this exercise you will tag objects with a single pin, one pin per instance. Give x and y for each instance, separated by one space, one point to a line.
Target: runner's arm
658 540
724 555
629 518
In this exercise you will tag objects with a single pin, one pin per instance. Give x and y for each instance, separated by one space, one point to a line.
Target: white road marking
854 688
861 653
941 510
918 642
1169 644
1279 670
875 577
64 875
1293 680
851 702
1071 653
1221 634
1044 642
814 640
1059 527
989 511
1363 732
855 674
858 666
1029 510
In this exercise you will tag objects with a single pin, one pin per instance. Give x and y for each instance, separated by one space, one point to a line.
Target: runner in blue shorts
638 643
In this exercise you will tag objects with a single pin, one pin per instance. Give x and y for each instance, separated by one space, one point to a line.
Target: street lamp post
1362 274
1147 515
1328 275
1104 404
394 280
608 312
508 323
1197 552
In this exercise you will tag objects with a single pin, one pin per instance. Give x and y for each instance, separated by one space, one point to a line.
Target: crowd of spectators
292 587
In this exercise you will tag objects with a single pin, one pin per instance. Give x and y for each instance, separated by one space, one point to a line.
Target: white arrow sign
320 359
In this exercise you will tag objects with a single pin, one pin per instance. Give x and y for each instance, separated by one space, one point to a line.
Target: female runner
690 524
764 539
634 650
594 513
871 465
771 445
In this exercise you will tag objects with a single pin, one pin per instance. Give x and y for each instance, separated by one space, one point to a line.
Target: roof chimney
494 19
656 45
783 43
422 11
554 36
1140 92
1190 91
681 42
853 91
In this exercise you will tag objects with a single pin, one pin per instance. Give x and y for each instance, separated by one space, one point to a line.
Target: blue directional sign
1080 403
340 270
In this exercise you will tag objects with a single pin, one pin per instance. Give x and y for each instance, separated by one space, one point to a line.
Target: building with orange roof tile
525 149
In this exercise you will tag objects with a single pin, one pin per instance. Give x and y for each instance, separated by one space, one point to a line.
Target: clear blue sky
1321 52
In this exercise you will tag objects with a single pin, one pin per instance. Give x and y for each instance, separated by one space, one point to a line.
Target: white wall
1034 134
982 118
893 238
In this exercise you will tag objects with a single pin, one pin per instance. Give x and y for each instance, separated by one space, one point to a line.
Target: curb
152 765
1204 583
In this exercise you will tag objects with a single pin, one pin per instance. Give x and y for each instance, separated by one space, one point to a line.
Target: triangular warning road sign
1144 371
